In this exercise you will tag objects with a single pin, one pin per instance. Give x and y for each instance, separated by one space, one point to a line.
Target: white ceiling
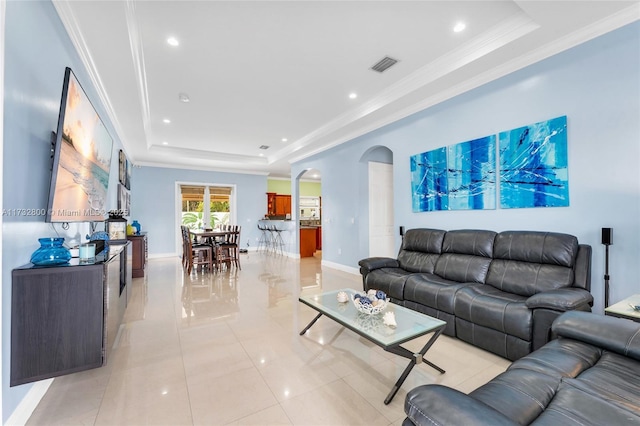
257 72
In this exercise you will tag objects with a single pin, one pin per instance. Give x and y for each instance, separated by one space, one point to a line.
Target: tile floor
216 349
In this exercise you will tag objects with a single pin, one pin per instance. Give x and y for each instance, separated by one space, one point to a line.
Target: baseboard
341 267
25 409
163 255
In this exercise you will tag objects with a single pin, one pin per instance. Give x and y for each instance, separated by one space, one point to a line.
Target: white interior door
381 237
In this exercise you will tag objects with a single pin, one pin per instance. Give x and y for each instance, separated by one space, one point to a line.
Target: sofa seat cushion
573 405
490 307
433 291
614 378
553 384
521 395
389 280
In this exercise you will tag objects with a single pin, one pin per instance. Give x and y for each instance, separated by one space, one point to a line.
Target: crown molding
188 153
173 165
137 56
613 22
69 21
506 32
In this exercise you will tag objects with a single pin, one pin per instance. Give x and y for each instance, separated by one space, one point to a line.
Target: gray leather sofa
498 291
589 375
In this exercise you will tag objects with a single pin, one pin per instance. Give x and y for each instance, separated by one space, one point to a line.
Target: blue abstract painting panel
471 174
533 165
429 181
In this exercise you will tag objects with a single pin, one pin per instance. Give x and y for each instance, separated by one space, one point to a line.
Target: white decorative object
342 296
389 319
370 303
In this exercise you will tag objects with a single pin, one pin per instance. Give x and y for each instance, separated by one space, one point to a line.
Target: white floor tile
225 349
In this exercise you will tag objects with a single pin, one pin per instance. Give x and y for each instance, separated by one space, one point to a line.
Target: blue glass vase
51 252
136 225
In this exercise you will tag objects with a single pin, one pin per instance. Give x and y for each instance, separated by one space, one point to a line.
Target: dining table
212 235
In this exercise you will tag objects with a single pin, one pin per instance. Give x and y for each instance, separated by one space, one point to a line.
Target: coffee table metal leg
313 321
414 359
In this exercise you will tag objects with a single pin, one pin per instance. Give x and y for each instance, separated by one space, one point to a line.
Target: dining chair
197 255
184 231
232 246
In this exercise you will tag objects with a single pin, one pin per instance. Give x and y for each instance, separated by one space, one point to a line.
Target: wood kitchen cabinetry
307 241
65 319
278 204
319 238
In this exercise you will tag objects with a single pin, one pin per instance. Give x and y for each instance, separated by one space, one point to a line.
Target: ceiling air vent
264 146
384 64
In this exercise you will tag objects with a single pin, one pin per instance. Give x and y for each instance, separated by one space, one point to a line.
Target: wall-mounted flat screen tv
81 159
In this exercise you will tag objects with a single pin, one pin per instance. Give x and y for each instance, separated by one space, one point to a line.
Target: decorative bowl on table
373 302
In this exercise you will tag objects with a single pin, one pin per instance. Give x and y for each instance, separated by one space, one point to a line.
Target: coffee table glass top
624 309
410 324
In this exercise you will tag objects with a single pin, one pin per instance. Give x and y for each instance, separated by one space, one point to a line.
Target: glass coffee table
410 325
625 308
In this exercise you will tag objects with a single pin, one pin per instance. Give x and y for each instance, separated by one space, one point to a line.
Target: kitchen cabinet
307 242
278 204
319 238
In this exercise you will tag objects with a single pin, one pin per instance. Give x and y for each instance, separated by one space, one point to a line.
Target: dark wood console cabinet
65 318
139 250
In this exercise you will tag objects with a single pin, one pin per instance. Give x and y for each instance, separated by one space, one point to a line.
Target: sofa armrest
372 263
614 334
439 405
562 299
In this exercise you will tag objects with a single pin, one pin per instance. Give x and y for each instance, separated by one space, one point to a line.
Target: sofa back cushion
420 249
466 255
529 262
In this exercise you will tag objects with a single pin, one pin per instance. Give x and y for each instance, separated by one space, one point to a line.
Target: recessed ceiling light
284 139
166 120
165 143
183 97
460 26
261 155
353 95
172 41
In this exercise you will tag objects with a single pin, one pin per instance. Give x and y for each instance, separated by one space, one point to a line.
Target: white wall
596 85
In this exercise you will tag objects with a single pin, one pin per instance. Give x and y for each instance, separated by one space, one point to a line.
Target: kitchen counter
288 228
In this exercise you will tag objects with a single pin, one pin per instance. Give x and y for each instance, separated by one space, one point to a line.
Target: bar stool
264 238
278 242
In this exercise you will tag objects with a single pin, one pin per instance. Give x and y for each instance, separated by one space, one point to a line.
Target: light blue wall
153 203
597 85
37 50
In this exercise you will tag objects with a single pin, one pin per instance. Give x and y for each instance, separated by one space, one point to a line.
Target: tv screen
81 159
